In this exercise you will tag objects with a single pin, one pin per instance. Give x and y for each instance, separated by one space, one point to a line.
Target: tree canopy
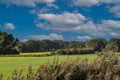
11 45
113 44
98 44
8 44
43 45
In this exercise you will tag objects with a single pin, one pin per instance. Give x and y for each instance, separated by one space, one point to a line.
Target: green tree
113 44
97 44
75 44
8 44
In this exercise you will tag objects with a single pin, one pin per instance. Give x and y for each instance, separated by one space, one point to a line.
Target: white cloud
110 1
38 11
52 5
51 36
116 10
60 22
114 33
73 22
9 26
111 24
86 28
65 18
76 22
29 3
89 3
44 9
109 28
84 38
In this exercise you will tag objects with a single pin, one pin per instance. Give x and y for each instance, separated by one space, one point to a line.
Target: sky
60 19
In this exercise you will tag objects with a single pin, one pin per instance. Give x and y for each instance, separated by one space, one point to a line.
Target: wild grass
105 67
9 64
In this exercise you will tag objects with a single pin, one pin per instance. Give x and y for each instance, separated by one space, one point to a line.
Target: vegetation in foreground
105 67
8 64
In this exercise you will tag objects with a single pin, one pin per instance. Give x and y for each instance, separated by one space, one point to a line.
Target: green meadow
9 64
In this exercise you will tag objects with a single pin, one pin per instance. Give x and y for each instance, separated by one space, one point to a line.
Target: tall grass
105 67
9 64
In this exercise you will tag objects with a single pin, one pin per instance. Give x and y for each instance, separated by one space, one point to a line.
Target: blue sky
60 19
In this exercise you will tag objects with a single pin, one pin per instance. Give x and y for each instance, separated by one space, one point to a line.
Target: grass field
34 53
9 64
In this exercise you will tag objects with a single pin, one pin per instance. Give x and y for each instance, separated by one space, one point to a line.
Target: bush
107 69
60 51
75 51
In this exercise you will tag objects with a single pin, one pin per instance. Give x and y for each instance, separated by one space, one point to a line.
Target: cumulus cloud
76 22
38 11
29 3
86 28
111 24
66 18
52 36
44 9
109 28
84 38
73 22
52 5
61 22
9 26
110 1
115 9
89 3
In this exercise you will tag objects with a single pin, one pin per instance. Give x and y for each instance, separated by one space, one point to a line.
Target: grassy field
34 53
9 64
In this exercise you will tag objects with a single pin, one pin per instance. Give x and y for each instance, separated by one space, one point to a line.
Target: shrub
60 51
105 67
75 51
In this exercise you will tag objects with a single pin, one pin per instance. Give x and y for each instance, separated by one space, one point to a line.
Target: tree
41 45
97 44
29 46
75 44
113 44
8 44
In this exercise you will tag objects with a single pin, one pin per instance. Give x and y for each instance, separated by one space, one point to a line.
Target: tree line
11 45
48 45
99 44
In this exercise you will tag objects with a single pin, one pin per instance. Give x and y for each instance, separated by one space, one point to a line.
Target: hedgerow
75 51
